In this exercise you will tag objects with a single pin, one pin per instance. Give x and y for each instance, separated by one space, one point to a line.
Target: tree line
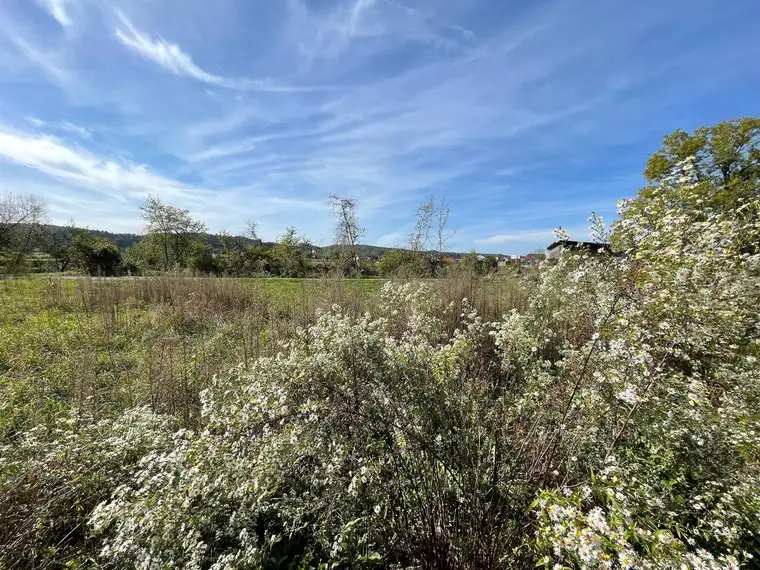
174 240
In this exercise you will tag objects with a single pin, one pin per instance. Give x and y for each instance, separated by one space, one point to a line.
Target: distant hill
122 240
125 240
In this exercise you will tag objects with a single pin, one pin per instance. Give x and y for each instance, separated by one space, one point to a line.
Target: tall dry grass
100 346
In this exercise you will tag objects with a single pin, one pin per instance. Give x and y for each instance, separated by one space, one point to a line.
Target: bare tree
173 228
420 237
443 232
347 228
22 218
431 232
251 230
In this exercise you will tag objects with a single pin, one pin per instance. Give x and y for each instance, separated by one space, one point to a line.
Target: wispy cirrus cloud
523 238
35 121
370 25
171 57
58 10
118 180
518 236
47 61
108 181
78 130
167 55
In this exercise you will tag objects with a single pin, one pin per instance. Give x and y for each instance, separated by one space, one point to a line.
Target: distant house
558 248
533 258
510 259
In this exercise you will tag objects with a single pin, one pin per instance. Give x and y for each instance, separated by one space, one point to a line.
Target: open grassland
101 346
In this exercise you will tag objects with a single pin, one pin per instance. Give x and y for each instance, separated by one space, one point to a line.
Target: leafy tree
289 256
391 261
173 229
719 164
368 268
145 255
257 260
21 222
95 255
228 258
398 262
58 242
724 157
203 259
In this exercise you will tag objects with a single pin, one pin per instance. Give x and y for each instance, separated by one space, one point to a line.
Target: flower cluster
55 476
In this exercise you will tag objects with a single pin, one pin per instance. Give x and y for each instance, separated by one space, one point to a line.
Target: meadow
101 346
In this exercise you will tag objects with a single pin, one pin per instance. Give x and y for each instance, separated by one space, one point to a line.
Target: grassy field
102 346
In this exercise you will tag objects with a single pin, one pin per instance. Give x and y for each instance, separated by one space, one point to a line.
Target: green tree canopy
289 255
173 229
724 159
710 171
95 255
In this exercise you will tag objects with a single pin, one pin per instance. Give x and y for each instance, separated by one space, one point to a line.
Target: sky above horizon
528 114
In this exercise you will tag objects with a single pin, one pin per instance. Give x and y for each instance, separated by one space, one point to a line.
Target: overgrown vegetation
600 412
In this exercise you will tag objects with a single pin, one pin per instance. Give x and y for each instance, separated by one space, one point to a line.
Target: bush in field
95 255
664 415
52 478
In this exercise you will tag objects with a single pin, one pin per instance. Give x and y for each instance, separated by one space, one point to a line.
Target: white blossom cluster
54 476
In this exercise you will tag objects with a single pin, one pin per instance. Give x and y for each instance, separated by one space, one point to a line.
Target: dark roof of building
577 244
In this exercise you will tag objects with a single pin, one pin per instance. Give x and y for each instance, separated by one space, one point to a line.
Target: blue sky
529 114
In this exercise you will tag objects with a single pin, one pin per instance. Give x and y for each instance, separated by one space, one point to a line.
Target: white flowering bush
52 478
663 423
356 445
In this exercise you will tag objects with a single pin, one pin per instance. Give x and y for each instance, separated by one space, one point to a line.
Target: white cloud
74 165
172 58
48 62
96 190
327 34
76 129
534 236
167 55
35 121
57 9
517 236
229 149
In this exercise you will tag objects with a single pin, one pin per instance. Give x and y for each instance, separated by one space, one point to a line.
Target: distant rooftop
573 244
